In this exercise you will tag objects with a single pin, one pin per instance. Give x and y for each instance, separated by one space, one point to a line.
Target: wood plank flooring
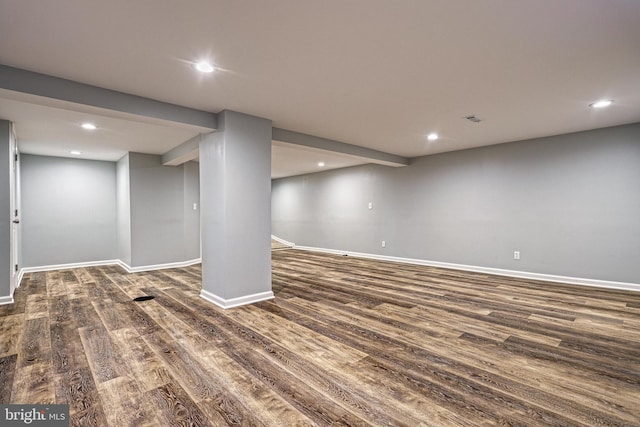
346 341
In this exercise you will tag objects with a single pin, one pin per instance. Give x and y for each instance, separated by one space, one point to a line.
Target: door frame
14 183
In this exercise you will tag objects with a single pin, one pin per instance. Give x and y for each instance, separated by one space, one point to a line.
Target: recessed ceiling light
321 164
75 152
88 126
205 67
601 104
432 136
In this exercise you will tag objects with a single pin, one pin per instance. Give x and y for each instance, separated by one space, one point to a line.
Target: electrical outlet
370 205
516 254
384 244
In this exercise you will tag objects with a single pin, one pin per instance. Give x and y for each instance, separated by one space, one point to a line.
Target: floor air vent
144 298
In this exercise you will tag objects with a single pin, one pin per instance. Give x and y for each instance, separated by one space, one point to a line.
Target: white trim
6 300
68 266
19 278
118 262
497 271
235 302
284 242
141 268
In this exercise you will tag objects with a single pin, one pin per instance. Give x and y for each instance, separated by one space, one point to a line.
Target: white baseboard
139 269
497 271
284 242
68 266
19 279
236 302
6 300
118 262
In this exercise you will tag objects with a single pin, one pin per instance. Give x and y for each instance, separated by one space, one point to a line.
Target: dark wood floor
346 341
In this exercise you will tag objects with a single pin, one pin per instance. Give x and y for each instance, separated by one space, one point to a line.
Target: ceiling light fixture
601 104
88 126
432 136
205 67
321 164
75 152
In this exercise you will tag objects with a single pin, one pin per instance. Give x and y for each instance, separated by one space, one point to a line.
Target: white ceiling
376 73
53 131
290 160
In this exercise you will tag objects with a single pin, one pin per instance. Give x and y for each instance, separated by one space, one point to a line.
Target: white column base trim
497 271
284 242
138 269
236 302
6 300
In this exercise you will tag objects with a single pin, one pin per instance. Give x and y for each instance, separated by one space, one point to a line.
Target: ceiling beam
19 80
372 156
58 89
187 151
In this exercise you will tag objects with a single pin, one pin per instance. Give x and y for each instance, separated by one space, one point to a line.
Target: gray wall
68 210
158 208
135 210
570 204
5 209
123 207
191 216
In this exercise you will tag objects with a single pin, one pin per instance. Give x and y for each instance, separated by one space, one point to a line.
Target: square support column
235 200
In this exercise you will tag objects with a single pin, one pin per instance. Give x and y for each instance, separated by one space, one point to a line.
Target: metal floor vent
144 298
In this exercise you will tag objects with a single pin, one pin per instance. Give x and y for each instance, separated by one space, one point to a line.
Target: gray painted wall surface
5 209
123 209
570 204
191 216
135 210
68 210
157 212
235 189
